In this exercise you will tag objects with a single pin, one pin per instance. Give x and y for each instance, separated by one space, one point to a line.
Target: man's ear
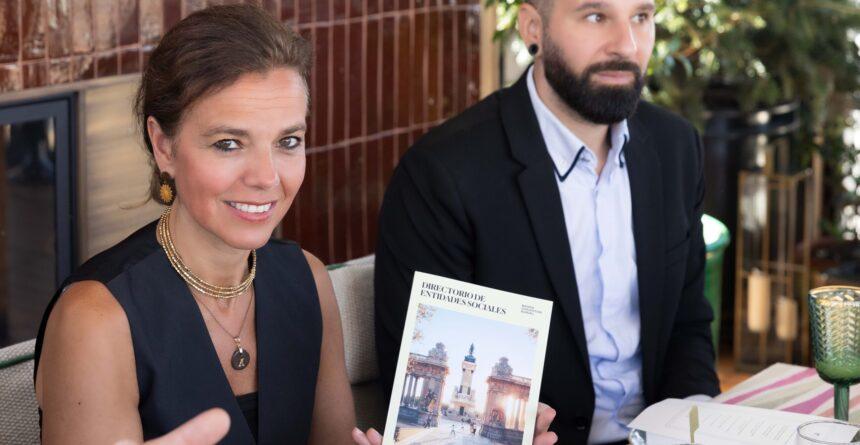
530 26
162 147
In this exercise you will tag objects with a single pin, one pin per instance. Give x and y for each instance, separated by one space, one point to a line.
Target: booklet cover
470 365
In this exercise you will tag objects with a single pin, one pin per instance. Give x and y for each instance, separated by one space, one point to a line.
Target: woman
201 308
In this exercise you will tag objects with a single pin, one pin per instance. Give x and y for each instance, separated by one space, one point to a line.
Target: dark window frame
62 109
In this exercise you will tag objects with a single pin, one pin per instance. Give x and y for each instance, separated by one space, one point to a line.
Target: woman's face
238 157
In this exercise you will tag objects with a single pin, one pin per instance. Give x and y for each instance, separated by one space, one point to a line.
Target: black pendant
240 359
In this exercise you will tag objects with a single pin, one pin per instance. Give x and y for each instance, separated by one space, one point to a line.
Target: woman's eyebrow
223 129
238 132
294 128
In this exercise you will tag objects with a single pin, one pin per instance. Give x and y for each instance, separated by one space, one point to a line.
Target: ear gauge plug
533 49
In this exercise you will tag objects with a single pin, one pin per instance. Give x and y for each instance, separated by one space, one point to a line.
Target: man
566 187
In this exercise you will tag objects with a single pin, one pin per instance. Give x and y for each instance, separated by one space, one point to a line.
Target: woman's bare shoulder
87 323
87 307
87 369
321 278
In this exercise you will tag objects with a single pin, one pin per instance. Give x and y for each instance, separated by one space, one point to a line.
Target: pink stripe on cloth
855 401
782 382
810 405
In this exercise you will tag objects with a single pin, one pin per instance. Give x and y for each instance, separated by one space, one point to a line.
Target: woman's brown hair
205 52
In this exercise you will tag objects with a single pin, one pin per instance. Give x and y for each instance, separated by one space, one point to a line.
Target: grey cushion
369 259
353 288
19 415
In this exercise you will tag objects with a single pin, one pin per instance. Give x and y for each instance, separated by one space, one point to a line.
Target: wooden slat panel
115 170
400 73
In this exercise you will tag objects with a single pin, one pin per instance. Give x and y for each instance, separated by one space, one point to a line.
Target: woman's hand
545 416
207 428
372 437
543 436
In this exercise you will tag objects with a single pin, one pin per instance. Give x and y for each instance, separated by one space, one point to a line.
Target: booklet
667 422
470 365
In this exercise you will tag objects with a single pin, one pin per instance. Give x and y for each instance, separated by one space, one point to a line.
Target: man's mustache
614 65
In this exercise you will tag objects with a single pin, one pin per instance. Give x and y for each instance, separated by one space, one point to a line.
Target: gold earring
166 192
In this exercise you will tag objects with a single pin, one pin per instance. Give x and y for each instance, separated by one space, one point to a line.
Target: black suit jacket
476 199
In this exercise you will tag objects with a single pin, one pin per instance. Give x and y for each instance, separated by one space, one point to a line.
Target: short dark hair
544 7
208 51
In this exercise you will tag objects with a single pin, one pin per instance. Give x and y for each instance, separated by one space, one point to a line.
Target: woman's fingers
372 437
359 438
545 416
549 438
543 436
206 428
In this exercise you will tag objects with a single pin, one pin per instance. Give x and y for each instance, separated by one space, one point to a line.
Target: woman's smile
252 211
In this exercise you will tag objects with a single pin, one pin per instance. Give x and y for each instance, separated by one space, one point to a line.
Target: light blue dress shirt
599 220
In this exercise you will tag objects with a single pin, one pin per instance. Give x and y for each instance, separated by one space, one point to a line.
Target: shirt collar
562 144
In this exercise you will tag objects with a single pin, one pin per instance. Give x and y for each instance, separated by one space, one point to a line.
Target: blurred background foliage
754 54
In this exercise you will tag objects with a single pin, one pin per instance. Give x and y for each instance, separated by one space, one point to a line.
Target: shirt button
580 423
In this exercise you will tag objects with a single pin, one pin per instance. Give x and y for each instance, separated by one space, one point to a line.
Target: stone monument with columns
422 388
507 395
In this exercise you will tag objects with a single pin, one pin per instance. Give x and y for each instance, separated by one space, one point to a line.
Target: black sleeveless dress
178 371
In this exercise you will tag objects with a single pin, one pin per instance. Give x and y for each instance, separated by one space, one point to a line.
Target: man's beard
598 104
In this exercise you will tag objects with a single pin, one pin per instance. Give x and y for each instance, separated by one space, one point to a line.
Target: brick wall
385 72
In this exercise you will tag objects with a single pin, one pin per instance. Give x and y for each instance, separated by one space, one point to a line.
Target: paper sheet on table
721 424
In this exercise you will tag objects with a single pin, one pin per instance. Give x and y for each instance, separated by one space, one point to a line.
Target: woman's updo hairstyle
205 52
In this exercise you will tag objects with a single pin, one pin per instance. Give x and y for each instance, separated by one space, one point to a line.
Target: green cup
834 318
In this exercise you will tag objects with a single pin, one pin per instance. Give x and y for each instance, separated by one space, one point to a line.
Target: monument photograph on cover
467 379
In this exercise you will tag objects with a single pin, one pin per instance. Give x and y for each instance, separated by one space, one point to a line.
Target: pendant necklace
241 358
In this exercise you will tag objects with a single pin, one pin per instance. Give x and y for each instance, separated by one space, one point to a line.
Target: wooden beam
490 52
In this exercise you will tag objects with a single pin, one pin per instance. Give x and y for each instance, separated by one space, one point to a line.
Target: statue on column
438 353
502 368
462 405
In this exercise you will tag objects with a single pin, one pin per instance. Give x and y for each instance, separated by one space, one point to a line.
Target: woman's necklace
241 358
197 283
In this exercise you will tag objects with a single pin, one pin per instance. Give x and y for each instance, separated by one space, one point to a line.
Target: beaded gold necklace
197 283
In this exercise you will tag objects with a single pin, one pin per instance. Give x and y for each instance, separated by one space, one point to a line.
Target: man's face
595 54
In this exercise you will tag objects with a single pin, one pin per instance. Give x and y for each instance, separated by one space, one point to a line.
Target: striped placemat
792 388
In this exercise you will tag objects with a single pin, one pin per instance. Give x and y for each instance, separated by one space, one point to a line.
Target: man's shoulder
671 137
657 121
476 128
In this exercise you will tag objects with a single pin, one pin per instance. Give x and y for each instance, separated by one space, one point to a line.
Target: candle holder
776 223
